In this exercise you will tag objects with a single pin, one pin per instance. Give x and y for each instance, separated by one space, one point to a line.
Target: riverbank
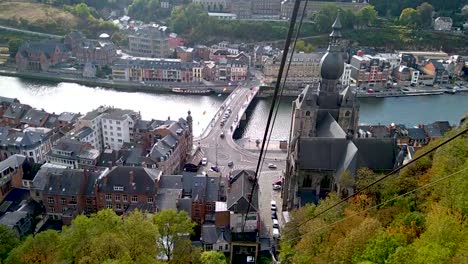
125 86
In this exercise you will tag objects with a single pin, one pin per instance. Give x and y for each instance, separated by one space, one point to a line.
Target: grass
28 15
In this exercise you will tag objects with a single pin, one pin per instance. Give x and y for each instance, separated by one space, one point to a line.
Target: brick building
369 71
40 56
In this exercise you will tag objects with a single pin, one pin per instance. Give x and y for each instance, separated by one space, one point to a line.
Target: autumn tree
40 248
8 241
213 257
409 16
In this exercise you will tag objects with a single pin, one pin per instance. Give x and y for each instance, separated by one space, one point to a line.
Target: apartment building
72 154
118 127
150 41
304 69
369 71
31 142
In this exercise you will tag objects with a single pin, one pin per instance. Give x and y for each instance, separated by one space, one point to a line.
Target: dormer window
118 188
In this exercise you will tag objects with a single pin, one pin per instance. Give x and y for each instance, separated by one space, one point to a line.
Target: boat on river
192 91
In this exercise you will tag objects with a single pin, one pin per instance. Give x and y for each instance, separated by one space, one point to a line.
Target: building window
110 122
50 200
73 199
88 201
118 188
52 209
106 138
150 199
119 128
64 209
111 133
118 207
226 247
125 198
105 133
30 153
117 198
111 127
308 113
108 205
209 207
112 139
134 199
63 201
117 122
220 248
119 140
119 134
209 247
105 127
108 197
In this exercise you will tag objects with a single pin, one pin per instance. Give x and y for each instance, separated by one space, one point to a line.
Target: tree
41 248
13 46
380 248
367 16
213 257
8 241
303 46
425 14
409 16
173 228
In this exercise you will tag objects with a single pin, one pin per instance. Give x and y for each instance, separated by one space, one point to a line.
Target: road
31 32
221 151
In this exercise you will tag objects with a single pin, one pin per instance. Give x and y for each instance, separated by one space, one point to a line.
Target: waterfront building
304 69
14 113
324 145
242 8
118 126
436 70
86 51
213 5
35 118
150 41
223 16
370 71
40 56
266 7
156 70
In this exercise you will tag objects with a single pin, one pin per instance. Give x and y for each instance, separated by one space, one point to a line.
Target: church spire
332 63
335 36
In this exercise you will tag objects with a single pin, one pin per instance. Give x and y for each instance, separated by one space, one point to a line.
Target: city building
242 8
244 216
369 71
65 193
392 58
443 23
96 52
316 6
304 69
13 114
266 7
128 188
5 102
213 5
324 142
436 70
223 16
20 222
33 143
118 126
91 121
67 119
156 70
40 56
35 118
346 77
149 41
10 167
215 238
72 154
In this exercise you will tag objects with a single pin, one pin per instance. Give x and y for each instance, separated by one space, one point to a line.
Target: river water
61 97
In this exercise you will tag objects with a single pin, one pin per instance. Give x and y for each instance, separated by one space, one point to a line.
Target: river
61 97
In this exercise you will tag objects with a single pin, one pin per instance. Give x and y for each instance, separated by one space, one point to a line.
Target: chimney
109 164
132 177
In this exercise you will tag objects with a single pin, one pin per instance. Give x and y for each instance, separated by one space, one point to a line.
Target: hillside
418 216
39 17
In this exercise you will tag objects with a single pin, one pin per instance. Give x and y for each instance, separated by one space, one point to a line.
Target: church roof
376 153
321 153
329 128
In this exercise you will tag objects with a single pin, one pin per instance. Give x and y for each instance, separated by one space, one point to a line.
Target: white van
276 233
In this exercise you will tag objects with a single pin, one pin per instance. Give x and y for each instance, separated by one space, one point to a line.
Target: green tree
13 46
409 16
174 229
367 16
425 14
8 241
303 46
41 248
380 248
213 257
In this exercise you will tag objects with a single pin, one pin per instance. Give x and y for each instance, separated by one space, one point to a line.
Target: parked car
272 166
231 164
204 161
276 187
221 135
274 215
273 205
275 223
214 168
276 233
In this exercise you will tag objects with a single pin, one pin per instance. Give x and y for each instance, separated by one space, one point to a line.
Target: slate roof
144 180
77 149
241 187
132 153
16 110
212 189
170 182
13 162
7 100
185 204
82 133
51 121
321 153
444 126
376 153
167 198
433 131
118 114
329 128
199 188
10 219
417 133
68 117
68 182
143 125
163 148
187 178
210 234
35 117
15 138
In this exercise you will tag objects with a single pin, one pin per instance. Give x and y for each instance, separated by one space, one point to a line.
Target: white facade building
415 77
118 127
345 78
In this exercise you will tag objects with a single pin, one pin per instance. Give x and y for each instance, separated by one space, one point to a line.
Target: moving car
221 135
204 161
273 205
276 233
272 166
274 215
214 168
230 164
276 187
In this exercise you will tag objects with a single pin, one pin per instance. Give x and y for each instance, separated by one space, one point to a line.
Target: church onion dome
332 63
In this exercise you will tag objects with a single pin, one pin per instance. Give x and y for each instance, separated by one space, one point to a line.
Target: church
323 142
